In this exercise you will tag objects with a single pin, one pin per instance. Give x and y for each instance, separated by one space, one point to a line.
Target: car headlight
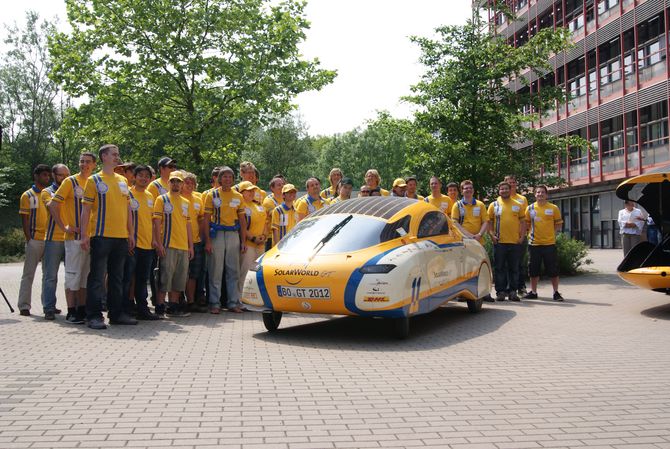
377 269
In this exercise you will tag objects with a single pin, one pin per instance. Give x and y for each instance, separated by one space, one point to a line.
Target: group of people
128 225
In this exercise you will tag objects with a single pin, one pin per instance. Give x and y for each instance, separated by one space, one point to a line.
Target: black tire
272 320
475 305
401 328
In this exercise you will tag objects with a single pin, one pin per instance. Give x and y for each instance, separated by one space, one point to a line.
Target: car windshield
356 233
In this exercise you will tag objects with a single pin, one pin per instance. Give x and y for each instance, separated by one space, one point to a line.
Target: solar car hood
651 191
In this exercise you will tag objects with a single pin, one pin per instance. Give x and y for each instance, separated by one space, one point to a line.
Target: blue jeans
506 259
138 266
107 255
54 254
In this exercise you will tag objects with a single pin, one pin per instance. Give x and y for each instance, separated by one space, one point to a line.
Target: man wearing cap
284 216
225 239
161 185
410 191
344 189
469 212
173 240
65 208
436 198
106 205
138 262
312 201
399 187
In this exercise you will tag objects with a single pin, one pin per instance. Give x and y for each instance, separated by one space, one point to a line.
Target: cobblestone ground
593 371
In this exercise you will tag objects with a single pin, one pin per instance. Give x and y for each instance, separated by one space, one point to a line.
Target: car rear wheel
475 305
272 320
401 328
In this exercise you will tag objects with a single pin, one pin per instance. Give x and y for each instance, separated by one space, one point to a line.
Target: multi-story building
617 76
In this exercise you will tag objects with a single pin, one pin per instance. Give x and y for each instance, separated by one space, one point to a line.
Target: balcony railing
655 151
613 160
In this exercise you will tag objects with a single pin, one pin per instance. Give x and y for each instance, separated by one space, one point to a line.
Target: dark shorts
543 253
197 264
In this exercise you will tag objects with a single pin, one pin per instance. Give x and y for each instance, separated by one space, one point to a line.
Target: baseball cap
288 188
347 182
176 175
399 182
246 185
165 161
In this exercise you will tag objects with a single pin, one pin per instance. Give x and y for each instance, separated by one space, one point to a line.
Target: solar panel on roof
381 207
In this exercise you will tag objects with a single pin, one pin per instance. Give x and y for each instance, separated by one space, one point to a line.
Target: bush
12 245
571 254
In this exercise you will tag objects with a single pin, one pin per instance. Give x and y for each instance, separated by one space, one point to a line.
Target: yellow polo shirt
284 219
173 212
69 195
542 221
224 207
328 193
158 187
259 194
109 198
306 205
31 204
469 215
53 232
197 213
506 216
256 221
442 202
141 207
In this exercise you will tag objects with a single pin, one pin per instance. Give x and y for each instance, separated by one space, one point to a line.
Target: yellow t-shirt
256 221
442 202
141 207
109 198
259 194
158 187
197 213
506 216
270 202
541 221
306 205
284 219
224 207
69 194
174 213
32 205
521 200
328 193
53 232
472 217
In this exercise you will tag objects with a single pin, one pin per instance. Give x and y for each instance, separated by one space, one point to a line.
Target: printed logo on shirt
78 192
134 205
216 202
167 208
123 187
102 187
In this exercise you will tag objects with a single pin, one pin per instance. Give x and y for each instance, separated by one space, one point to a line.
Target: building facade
617 77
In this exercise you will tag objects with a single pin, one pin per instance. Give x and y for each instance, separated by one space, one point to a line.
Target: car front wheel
401 328
272 320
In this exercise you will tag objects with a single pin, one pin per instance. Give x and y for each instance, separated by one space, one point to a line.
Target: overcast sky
366 41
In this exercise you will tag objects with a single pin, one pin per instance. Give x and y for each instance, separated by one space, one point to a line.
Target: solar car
647 265
382 257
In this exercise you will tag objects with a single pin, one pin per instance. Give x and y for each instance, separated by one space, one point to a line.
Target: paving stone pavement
593 371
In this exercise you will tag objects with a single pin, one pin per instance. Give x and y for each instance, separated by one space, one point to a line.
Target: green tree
282 147
471 123
190 78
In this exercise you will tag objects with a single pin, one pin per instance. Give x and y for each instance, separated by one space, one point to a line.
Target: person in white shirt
631 222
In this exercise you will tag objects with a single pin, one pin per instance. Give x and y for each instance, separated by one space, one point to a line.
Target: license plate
303 292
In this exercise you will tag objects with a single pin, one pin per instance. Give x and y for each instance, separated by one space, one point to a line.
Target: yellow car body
647 265
392 258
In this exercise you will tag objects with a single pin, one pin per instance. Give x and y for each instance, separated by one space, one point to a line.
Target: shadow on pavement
443 327
9 321
661 312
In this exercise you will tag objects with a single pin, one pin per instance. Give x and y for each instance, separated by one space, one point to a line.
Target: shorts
77 265
197 264
543 253
173 270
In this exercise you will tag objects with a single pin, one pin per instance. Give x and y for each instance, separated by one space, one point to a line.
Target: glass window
433 223
357 233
